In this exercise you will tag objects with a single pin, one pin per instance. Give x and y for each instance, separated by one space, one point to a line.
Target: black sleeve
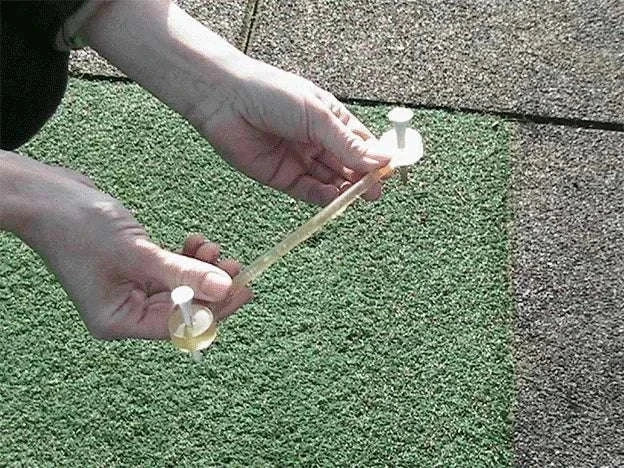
33 75
41 19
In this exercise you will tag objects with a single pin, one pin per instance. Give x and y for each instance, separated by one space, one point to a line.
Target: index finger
347 141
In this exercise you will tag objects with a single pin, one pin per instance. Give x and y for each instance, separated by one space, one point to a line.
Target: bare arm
118 279
169 53
276 127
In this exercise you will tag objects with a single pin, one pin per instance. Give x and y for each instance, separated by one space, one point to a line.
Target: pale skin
273 126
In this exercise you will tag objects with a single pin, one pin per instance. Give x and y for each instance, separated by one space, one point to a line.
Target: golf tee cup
192 327
402 140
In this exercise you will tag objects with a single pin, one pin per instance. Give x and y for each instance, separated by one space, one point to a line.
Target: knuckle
354 146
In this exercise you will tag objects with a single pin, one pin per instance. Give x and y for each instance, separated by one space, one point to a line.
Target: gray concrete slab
551 58
568 197
229 18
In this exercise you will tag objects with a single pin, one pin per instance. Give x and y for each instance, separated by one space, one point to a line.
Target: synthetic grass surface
383 340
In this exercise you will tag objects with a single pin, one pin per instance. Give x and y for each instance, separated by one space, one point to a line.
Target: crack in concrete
249 23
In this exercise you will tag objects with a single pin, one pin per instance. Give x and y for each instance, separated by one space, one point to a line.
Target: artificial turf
384 340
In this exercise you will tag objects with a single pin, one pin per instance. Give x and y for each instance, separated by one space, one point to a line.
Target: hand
119 280
285 132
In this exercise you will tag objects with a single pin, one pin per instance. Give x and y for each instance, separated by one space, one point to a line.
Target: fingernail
216 285
378 161
384 157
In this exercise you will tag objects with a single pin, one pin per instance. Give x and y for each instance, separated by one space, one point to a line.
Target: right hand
289 134
119 280
276 127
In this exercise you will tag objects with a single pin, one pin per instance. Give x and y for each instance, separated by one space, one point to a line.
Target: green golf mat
383 340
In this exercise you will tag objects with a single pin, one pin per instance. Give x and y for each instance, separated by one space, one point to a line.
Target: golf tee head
192 326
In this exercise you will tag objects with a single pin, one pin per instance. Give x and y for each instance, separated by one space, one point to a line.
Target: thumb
353 151
209 282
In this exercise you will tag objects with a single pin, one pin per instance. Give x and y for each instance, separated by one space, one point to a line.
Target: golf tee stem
185 307
399 128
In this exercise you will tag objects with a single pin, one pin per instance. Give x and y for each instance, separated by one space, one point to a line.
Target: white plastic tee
405 141
182 296
400 118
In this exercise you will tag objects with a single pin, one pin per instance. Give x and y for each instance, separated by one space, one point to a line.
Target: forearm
175 57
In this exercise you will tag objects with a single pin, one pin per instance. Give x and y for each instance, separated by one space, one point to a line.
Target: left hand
119 280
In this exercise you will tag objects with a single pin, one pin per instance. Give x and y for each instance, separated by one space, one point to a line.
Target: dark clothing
34 74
